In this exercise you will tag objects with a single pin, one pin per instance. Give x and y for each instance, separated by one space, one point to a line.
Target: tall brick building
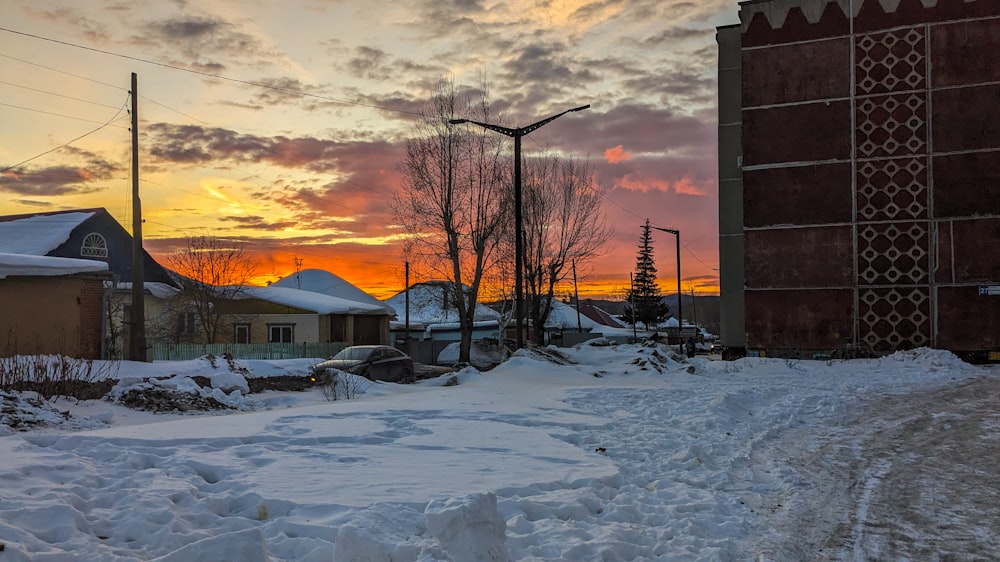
859 163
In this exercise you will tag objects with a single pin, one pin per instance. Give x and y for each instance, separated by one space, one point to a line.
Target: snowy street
917 474
627 454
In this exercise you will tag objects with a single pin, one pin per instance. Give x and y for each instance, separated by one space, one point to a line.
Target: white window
94 246
281 333
242 334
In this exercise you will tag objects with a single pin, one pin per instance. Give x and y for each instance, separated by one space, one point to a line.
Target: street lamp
517 133
680 297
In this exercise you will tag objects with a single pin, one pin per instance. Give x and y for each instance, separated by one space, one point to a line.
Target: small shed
51 306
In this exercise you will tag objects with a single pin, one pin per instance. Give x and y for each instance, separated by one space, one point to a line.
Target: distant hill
320 281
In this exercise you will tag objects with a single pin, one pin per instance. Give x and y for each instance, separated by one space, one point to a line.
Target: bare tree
563 223
454 197
214 271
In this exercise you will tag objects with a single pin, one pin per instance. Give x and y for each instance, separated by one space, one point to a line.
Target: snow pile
179 392
468 528
23 410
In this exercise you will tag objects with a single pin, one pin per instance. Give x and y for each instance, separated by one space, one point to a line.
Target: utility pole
576 294
694 307
137 337
518 236
298 272
407 307
680 295
631 283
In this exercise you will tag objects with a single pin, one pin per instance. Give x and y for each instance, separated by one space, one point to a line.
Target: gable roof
39 234
65 234
312 301
600 316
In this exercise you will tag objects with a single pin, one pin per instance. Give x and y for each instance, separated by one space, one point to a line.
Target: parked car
374 362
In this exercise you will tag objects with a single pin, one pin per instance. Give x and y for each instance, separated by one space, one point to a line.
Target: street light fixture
517 133
680 307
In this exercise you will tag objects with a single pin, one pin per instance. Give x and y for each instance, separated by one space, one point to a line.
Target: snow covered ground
624 454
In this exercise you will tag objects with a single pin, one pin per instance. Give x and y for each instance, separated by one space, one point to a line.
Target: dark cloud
194 144
205 43
192 28
85 172
374 64
672 35
673 87
258 223
363 171
33 203
543 63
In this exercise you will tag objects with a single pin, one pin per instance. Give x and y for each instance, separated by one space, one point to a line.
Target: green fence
185 351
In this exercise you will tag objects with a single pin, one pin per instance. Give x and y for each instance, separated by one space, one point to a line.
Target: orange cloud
616 155
684 186
632 182
688 187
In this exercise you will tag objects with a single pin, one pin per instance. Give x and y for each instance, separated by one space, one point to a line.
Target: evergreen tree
644 302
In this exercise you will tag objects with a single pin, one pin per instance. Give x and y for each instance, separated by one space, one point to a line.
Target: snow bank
466 529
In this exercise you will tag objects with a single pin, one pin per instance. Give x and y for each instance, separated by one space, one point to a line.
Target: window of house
281 333
94 246
187 323
242 334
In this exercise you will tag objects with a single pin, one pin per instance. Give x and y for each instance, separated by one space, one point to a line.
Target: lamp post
680 307
517 133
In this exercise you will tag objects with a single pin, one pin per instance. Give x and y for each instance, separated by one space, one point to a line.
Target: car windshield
354 353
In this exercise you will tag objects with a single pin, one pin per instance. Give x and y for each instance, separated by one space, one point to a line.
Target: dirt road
914 477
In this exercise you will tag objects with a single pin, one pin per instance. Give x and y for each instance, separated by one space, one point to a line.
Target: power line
64 145
210 75
64 72
42 111
57 94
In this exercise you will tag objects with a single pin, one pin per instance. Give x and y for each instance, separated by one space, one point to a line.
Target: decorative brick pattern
893 254
892 189
896 318
894 125
891 62
892 203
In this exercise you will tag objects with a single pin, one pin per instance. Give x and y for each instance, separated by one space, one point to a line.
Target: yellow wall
51 315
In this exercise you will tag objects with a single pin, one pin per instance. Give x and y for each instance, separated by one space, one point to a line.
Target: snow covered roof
564 316
430 303
326 283
38 235
19 265
309 300
159 290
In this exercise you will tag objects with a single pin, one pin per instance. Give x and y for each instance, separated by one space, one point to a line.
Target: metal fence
185 351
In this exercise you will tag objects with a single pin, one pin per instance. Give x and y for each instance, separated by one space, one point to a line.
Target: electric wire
42 111
64 72
57 94
64 145
210 75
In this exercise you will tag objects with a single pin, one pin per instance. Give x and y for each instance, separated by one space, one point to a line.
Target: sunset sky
282 123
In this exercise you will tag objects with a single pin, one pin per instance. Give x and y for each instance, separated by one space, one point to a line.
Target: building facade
859 172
